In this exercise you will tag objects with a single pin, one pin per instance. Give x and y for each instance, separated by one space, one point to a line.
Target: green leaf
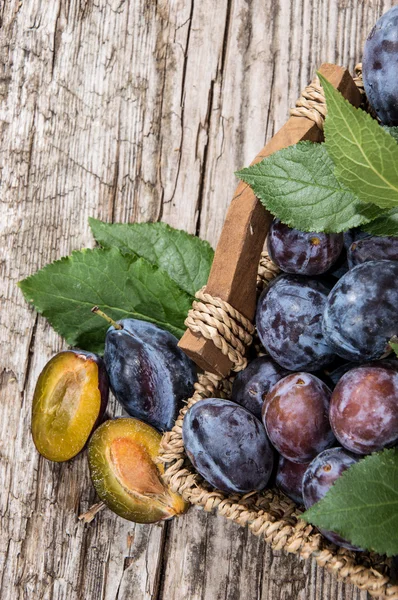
365 156
362 504
393 343
186 258
298 185
385 225
122 285
392 131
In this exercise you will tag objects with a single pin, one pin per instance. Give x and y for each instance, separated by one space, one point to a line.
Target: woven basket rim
270 513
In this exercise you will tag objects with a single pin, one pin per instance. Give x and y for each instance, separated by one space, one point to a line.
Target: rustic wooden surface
135 110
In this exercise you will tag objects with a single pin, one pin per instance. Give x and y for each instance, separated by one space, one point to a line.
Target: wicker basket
269 513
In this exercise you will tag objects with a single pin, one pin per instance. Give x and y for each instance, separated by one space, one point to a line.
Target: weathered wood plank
135 111
220 560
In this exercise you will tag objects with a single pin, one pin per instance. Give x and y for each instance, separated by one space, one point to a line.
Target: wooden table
133 110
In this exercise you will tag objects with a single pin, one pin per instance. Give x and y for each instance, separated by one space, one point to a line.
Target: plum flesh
69 400
123 458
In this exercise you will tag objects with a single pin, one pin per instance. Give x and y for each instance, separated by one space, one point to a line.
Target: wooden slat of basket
234 271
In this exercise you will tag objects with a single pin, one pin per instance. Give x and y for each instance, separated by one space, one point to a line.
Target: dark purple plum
372 248
227 445
253 383
379 67
289 316
148 373
289 479
318 479
303 253
296 417
364 408
361 312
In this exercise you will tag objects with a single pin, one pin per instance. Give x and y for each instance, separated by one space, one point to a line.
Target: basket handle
233 274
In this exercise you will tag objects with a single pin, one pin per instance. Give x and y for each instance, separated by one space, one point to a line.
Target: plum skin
289 478
149 375
372 248
296 417
379 67
361 312
364 408
302 253
69 402
288 319
253 383
227 445
318 479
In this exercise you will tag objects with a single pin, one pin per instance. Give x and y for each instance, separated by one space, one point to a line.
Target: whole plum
253 383
318 479
288 319
148 373
379 67
364 408
302 253
372 248
289 479
361 312
227 445
296 417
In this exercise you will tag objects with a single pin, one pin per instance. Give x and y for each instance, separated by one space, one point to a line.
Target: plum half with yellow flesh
70 398
124 467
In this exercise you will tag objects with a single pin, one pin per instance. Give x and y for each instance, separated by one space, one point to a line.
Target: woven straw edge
268 514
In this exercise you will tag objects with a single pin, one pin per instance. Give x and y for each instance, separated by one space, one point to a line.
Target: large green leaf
186 258
298 185
365 155
362 504
121 284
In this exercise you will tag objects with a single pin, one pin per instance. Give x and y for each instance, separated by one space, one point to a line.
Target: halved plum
70 398
123 458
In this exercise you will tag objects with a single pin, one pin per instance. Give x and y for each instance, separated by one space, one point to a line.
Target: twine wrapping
358 80
311 103
269 514
267 271
218 321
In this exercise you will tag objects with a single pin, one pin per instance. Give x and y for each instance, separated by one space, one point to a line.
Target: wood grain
129 111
